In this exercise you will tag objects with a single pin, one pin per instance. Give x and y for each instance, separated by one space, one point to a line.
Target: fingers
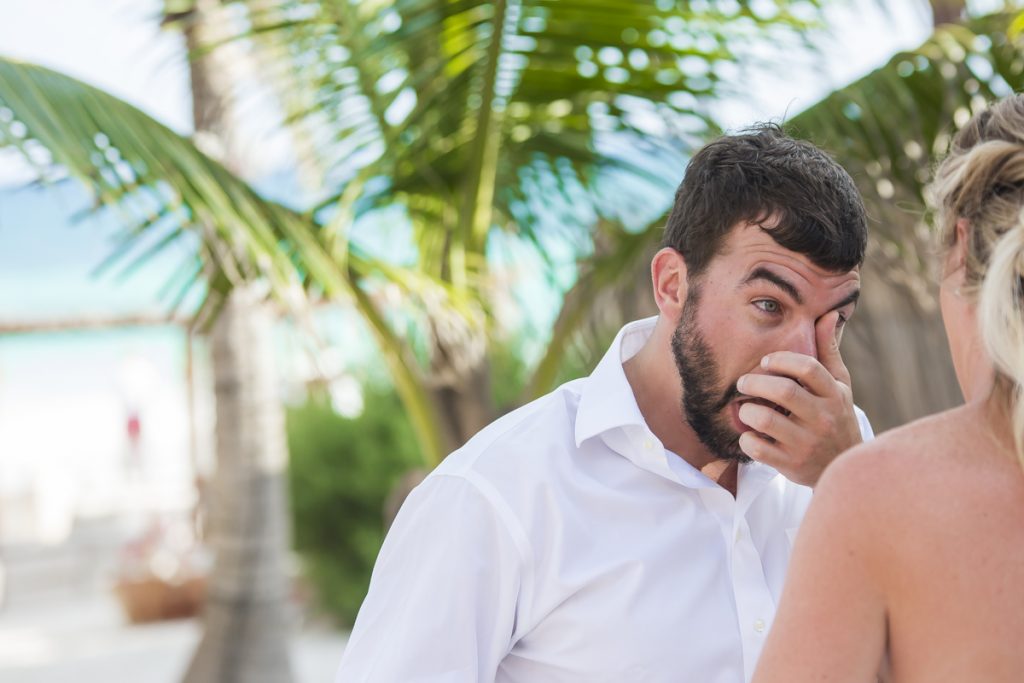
763 451
816 393
781 391
827 335
815 374
806 370
771 422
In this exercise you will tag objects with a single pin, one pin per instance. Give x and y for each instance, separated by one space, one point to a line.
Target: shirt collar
607 401
608 409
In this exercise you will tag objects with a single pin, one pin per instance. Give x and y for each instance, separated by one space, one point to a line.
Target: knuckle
828 424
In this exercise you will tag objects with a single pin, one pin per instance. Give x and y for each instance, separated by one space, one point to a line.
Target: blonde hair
982 181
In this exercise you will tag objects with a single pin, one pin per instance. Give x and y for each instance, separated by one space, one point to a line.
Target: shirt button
648 444
759 625
739 535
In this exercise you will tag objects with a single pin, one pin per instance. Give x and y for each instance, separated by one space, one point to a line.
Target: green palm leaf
158 180
454 101
168 192
888 127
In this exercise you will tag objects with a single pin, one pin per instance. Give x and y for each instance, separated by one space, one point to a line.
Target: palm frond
169 192
456 98
157 179
888 127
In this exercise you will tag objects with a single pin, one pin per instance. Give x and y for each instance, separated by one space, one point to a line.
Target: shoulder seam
489 443
508 520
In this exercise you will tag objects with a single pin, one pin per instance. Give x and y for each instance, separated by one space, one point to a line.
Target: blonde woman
910 562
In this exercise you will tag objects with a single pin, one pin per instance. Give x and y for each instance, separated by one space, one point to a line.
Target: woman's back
912 551
954 542
910 563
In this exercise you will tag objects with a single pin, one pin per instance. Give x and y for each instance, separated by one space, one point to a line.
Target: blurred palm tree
536 118
526 116
533 117
886 129
246 611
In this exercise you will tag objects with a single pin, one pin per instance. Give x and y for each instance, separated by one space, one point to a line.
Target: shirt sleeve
441 606
866 432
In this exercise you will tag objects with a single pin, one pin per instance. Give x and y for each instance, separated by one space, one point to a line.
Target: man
636 525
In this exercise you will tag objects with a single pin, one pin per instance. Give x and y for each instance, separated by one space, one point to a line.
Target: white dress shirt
564 544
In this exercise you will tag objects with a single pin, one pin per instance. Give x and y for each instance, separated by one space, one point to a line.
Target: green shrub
340 473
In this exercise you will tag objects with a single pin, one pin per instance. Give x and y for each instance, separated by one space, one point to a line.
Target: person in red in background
133 434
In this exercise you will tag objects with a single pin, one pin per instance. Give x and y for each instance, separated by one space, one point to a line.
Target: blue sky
114 44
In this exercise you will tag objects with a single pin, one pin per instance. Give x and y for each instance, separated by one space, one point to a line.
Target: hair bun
982 180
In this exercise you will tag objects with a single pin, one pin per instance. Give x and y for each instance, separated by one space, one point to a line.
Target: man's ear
668 277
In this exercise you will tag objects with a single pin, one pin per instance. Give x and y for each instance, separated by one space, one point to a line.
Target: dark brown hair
805 200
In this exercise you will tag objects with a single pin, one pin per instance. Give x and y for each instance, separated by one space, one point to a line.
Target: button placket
754 603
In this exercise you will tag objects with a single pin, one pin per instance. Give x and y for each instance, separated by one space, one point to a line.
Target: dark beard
703 397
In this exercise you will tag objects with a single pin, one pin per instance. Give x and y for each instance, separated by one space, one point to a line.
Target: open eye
768 305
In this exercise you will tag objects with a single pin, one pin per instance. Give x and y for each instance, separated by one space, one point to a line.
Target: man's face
754 298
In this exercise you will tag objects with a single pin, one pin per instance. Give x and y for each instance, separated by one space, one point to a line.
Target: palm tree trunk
245 622
947 11
246 617
465 407
464 402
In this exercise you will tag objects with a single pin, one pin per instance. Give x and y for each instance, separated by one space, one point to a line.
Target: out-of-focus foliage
170 194
343 470
340 473
888 128
534 117
165 189
467 111
530 116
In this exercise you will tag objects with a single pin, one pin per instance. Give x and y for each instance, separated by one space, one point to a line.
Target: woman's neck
994 412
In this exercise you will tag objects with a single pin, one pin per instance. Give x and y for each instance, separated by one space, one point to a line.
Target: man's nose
802 339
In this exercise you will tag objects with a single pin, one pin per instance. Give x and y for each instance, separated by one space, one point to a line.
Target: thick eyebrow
851 298
762 273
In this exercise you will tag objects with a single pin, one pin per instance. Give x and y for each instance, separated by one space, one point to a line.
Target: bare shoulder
930 441
892 469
